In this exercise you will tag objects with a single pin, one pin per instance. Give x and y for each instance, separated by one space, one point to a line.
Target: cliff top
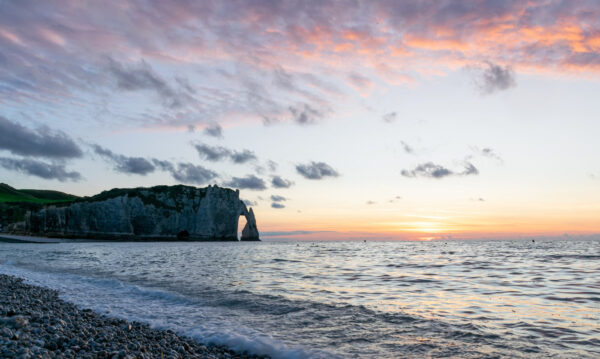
9 194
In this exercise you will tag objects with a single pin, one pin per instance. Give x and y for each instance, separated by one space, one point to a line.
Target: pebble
35 323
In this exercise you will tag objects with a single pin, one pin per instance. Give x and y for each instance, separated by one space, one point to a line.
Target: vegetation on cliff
9 194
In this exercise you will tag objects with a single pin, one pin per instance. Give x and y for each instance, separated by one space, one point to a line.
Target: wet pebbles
35 323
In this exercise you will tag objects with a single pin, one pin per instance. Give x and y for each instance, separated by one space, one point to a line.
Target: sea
340 299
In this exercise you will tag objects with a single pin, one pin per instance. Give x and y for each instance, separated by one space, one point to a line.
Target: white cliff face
162 212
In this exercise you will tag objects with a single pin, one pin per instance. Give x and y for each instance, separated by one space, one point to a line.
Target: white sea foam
160 309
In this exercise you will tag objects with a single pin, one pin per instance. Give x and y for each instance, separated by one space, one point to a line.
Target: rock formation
161 212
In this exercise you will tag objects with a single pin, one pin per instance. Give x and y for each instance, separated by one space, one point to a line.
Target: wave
162 310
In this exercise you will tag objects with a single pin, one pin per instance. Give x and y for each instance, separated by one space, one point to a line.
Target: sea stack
156 213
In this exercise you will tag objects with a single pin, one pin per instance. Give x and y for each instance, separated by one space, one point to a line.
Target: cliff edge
156 213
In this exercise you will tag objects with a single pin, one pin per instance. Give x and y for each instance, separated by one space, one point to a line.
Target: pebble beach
36 323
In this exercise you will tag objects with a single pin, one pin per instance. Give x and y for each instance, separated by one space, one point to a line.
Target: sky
336 119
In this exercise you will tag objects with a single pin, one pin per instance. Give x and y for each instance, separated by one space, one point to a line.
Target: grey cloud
212 153
42 142
395 199
191 128
371 202
316 170
242 157
272 165
40 169
432 170
277 205
495 78
276 198
217 153
190 173
249 203
249 182
407 148
390 117
186 172
470 169
359 80
487 152
305 114
284 79
214 130
279 182
163 165
427 169
124 164
141 76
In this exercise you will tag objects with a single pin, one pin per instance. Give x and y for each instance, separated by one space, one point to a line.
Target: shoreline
21 238
36 323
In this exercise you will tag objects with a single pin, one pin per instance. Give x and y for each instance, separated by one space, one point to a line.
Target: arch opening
241 224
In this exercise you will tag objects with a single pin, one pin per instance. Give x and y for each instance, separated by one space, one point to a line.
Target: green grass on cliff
9 194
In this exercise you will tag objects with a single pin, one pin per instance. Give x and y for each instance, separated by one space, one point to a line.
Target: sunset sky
335 119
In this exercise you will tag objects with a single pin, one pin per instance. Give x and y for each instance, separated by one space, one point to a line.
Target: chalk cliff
161 212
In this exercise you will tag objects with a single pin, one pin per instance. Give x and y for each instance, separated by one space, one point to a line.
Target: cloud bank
42 142
40 169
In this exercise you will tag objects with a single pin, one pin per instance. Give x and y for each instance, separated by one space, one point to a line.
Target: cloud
249 203
408 149
124 164
249 182
487 152
40 169
276 198
316 170
362 84
427 169
305 114
217 153
371 202
397 198
495 78
242 157
212 153
141 76
186 172
190 173
279 182
277 205
214 130
390 117
50 53
43 142
432 170
470 169
272 165
163 165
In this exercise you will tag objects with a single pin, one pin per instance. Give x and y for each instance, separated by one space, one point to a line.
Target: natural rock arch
250 231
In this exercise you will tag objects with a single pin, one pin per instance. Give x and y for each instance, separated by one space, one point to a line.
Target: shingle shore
35 323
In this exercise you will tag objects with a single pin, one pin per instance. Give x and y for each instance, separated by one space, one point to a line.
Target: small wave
163 310
574 256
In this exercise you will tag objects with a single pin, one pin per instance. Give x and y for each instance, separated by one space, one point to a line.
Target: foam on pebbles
35 323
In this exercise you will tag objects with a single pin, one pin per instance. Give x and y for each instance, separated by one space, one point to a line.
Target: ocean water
459 299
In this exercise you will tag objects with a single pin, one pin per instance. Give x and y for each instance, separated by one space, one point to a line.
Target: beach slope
35 323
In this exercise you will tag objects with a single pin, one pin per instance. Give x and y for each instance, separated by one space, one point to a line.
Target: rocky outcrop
162 212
